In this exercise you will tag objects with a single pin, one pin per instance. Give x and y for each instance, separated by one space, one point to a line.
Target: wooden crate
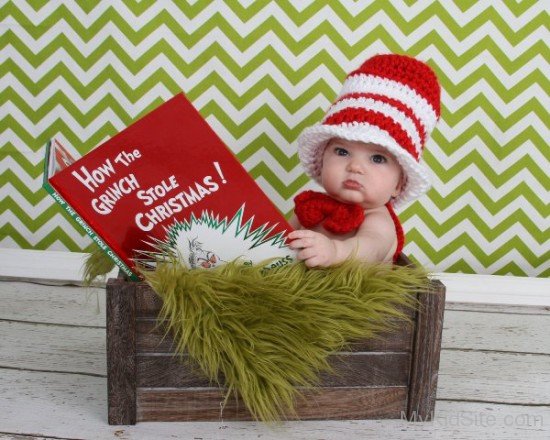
394 377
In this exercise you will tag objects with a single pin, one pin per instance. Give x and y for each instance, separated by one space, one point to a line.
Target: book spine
96 238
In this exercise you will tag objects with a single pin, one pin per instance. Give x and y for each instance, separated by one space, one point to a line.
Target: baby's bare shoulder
378 221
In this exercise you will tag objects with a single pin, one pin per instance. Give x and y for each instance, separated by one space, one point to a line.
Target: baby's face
356 172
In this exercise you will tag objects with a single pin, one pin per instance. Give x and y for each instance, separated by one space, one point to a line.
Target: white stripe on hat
396 90
386 109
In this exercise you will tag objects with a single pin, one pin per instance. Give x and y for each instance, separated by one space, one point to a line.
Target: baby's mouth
352 184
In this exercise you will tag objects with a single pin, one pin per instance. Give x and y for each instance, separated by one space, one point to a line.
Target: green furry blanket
266 333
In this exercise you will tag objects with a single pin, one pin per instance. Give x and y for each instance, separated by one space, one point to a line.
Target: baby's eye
341 151
378 158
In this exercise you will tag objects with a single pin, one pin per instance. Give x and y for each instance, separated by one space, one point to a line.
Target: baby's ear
400 185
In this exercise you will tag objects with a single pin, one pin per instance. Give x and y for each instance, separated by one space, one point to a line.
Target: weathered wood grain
52 304
502 309
513 378
358 369
328 404
148 304
4 436
151 338
496 331
425 355
62 405
121 352
58 348
463 373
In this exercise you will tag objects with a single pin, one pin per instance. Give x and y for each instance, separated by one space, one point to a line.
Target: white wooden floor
494 380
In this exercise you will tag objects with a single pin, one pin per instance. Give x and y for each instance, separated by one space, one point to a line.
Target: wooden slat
121 366
512 378
148 303
329 404
150 338
464 373
67 305
425 355
509 332
39 347
73 406
504 309
359 369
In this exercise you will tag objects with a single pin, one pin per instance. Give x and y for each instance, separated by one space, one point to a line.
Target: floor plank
498 308
53 348
72 406
52 304
521 378
494 377
496 331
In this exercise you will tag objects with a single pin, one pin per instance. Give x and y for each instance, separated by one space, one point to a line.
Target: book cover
167 182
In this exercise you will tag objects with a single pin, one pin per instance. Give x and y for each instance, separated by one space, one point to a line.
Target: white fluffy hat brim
312 142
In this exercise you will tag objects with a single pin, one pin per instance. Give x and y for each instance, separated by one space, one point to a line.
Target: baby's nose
355 166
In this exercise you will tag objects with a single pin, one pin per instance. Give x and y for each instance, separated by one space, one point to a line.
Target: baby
366 154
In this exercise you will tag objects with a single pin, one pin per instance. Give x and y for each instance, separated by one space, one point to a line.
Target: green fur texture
97 264
261 335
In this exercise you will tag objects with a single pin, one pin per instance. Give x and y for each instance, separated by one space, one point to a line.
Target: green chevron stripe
216 51
138 7
263 142
285 190
490 15
492 205
464 240
508 269
475 158
33 223
32 197
468 213
57 234
8 150
498 150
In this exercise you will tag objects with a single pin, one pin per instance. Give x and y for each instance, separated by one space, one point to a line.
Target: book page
58 158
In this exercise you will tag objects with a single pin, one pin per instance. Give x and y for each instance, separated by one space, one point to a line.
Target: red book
167 182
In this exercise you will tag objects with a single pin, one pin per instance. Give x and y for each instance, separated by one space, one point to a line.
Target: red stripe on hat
405 109
360 115
406 70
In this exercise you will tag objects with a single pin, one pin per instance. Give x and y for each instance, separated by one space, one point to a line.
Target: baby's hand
313 248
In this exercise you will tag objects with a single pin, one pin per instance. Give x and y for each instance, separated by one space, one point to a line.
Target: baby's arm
372 242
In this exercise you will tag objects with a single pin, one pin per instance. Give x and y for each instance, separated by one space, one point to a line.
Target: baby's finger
312 262
306 254
300 243
300 233
295 244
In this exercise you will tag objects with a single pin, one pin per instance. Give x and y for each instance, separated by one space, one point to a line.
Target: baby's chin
354 197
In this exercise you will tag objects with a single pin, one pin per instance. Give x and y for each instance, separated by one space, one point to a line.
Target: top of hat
407 70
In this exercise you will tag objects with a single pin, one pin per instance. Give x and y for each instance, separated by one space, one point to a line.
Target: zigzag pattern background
261 71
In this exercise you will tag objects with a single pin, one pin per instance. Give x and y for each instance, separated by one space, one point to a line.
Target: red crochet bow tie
313 208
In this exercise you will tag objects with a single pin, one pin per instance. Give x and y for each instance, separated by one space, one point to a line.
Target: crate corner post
121 352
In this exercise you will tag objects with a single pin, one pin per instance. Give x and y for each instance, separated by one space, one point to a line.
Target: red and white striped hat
391 100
